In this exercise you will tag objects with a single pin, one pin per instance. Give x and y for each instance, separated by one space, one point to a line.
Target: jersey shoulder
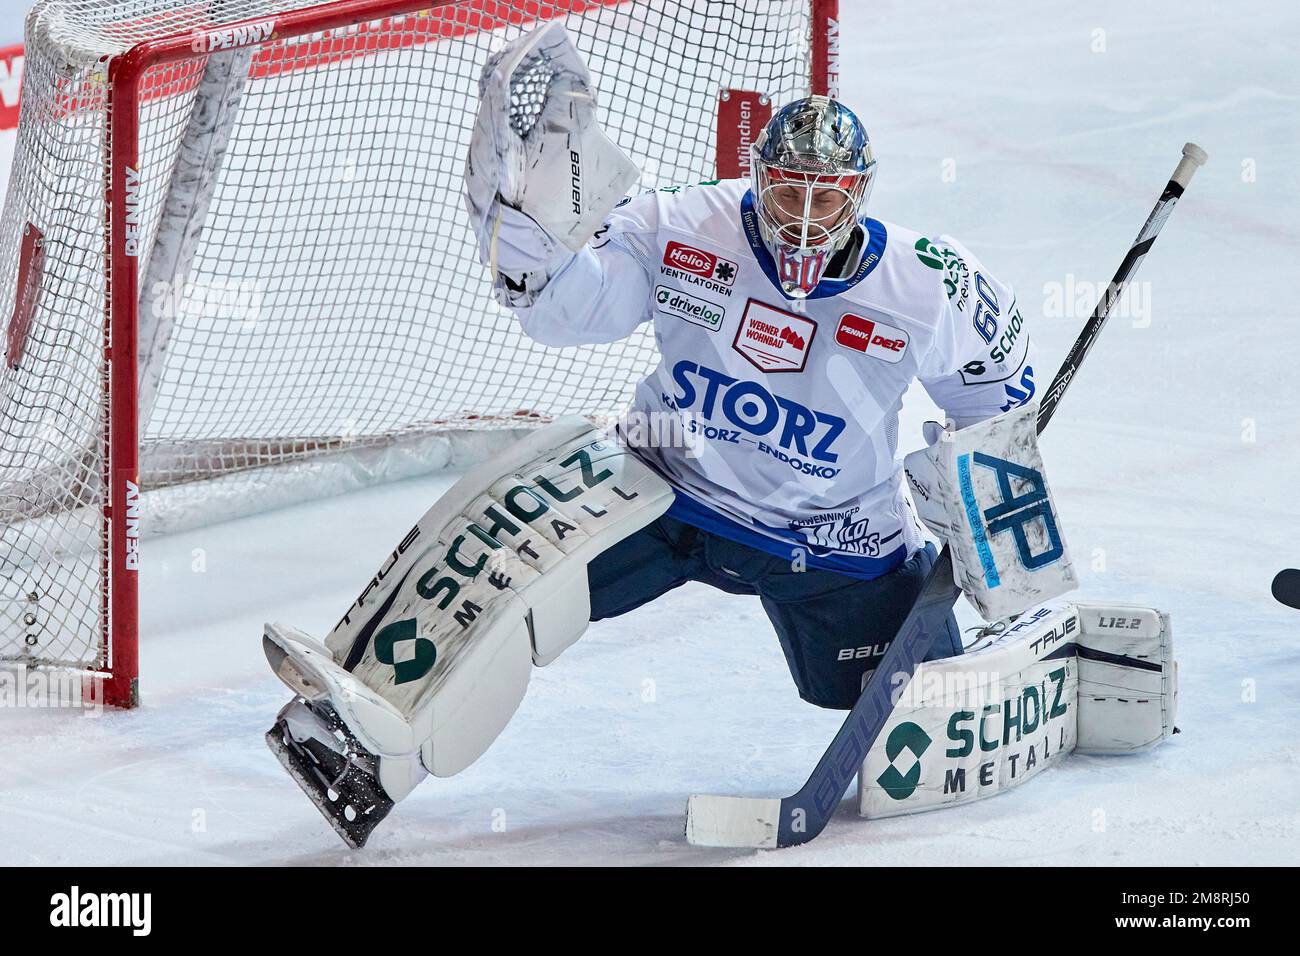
709 209
911 278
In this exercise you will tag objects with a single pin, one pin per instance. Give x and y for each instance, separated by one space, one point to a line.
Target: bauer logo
772 340
871 338
575 185
684 306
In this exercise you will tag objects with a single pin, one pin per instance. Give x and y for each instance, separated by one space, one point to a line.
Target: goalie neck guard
812 171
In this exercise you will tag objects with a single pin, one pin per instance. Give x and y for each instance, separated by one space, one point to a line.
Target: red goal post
159 68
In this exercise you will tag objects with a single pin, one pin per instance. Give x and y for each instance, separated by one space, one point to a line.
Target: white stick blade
732 821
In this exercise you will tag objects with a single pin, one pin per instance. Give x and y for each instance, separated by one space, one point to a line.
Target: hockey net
234 243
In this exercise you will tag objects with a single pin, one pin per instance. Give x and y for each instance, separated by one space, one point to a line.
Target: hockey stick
760 822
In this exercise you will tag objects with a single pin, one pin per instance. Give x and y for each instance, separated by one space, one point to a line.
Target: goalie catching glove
541 175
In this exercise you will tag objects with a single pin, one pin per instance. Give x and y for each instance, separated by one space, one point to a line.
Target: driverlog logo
695 310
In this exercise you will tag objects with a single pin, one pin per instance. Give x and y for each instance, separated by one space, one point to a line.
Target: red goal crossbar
323 33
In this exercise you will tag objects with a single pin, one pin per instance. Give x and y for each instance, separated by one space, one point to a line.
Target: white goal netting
308 283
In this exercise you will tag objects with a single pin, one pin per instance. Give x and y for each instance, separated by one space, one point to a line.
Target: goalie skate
331 766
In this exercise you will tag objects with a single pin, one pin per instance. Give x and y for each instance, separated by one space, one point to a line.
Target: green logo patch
954 267
906 736
399 632
929 253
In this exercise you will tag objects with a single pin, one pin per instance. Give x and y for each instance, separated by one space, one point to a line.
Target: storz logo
799 436
685 306
700 263
871 338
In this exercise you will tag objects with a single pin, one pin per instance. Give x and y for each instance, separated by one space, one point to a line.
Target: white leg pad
490 582
1128 678
1099 679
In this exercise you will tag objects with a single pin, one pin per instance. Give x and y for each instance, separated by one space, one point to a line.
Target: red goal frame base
127 91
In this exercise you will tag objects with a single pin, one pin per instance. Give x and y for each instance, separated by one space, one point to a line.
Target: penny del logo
872 338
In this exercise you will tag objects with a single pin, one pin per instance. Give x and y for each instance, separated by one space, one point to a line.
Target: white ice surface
1175 456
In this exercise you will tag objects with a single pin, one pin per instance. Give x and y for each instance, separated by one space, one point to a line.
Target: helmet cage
793 205
803 235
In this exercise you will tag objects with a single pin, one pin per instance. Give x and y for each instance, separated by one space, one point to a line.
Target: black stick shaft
1193 157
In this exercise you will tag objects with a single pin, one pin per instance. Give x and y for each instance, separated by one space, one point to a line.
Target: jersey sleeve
982 361
602 294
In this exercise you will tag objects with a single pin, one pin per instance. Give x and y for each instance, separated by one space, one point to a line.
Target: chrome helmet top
812 171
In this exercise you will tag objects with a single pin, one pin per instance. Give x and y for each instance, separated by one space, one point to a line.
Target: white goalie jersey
788 410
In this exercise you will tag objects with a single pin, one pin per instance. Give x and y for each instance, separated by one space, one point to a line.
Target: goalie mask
812 173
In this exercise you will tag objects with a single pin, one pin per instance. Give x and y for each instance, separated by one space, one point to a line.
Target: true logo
871 338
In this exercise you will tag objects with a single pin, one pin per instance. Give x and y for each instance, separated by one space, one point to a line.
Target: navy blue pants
833 628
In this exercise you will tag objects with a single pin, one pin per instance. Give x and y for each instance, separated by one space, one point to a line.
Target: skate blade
311 786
